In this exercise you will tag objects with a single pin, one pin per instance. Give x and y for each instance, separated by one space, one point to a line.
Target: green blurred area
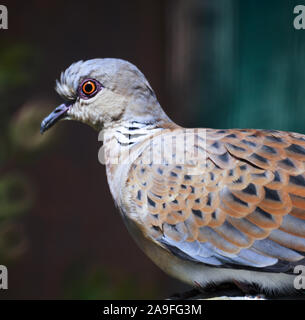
16 191
93 283
250 65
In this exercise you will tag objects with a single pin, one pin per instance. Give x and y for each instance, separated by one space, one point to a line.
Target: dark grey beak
53 117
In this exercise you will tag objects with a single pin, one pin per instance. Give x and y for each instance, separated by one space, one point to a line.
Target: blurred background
212 63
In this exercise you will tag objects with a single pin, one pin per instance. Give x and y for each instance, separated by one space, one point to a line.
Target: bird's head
103 93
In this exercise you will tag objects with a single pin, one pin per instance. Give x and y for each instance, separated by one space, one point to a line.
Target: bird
207 206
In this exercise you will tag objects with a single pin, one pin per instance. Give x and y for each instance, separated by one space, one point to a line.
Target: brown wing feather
237 187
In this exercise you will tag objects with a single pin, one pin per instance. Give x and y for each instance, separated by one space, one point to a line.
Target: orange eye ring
88 87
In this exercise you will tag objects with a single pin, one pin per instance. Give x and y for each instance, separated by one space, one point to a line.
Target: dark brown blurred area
73 223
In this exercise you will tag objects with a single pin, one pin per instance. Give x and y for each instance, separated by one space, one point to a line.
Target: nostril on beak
53 117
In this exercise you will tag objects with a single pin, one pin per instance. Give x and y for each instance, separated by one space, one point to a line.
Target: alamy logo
3 17
172 148
299 20
3 277
299 280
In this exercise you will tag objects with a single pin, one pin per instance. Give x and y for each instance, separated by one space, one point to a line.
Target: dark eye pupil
88 87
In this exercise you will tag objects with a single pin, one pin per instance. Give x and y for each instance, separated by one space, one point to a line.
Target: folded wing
224 197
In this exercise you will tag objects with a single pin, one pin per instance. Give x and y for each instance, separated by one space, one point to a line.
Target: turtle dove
206 205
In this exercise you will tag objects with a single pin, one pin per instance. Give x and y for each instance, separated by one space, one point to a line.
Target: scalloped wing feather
224 197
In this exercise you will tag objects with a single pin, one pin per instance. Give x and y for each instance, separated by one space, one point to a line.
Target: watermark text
3 17
299 280
3 277
299 20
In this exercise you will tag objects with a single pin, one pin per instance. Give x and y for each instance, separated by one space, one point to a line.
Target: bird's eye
88 87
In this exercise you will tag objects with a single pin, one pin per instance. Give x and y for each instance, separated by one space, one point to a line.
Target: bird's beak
54 116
